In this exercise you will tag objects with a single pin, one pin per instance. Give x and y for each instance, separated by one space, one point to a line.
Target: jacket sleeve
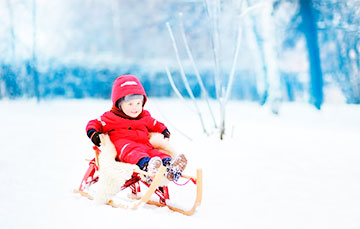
154 125
94 124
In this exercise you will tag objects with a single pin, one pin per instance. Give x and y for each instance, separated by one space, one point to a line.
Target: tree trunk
310 32
34 71
271 59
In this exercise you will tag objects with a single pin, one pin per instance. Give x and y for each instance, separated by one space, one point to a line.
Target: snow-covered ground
300 169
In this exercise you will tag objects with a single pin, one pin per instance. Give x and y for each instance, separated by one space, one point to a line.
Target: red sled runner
136 183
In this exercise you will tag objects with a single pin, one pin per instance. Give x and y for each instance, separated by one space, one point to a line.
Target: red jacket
127 133
120 128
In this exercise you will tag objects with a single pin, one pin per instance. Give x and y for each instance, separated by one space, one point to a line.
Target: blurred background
258 50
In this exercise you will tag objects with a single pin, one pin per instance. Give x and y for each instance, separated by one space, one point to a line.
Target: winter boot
176 167
153 167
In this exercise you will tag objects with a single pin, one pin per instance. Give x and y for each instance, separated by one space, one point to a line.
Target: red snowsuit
129 135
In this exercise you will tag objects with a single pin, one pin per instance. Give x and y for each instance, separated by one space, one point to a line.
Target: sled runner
136 183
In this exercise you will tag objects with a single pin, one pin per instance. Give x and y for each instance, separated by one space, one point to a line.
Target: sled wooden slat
198 196
197 200
111 203
154 184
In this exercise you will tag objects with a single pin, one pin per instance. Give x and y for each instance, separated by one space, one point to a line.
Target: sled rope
190 179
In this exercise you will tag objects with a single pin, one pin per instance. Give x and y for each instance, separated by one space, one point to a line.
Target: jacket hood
126 85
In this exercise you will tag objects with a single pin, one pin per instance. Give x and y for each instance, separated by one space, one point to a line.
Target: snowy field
300 169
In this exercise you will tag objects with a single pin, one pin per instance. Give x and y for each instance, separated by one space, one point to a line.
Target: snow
296 170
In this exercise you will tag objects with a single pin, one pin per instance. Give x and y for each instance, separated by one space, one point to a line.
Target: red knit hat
126 85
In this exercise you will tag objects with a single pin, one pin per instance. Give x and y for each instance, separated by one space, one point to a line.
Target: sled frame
134 184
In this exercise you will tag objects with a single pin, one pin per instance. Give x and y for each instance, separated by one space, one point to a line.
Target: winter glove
166 133
94 136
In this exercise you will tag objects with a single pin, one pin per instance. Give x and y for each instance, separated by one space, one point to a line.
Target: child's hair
128 98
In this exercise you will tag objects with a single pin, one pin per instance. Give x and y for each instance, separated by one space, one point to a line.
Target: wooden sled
134 183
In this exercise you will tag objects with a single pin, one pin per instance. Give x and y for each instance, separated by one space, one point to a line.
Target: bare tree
270 57
223 89
311 37
183 77
12 32
35 73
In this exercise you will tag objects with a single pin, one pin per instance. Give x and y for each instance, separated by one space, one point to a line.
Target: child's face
132 108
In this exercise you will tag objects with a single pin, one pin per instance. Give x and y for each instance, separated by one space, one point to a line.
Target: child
128 126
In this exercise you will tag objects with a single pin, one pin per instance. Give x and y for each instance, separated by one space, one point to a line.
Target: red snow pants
131 152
